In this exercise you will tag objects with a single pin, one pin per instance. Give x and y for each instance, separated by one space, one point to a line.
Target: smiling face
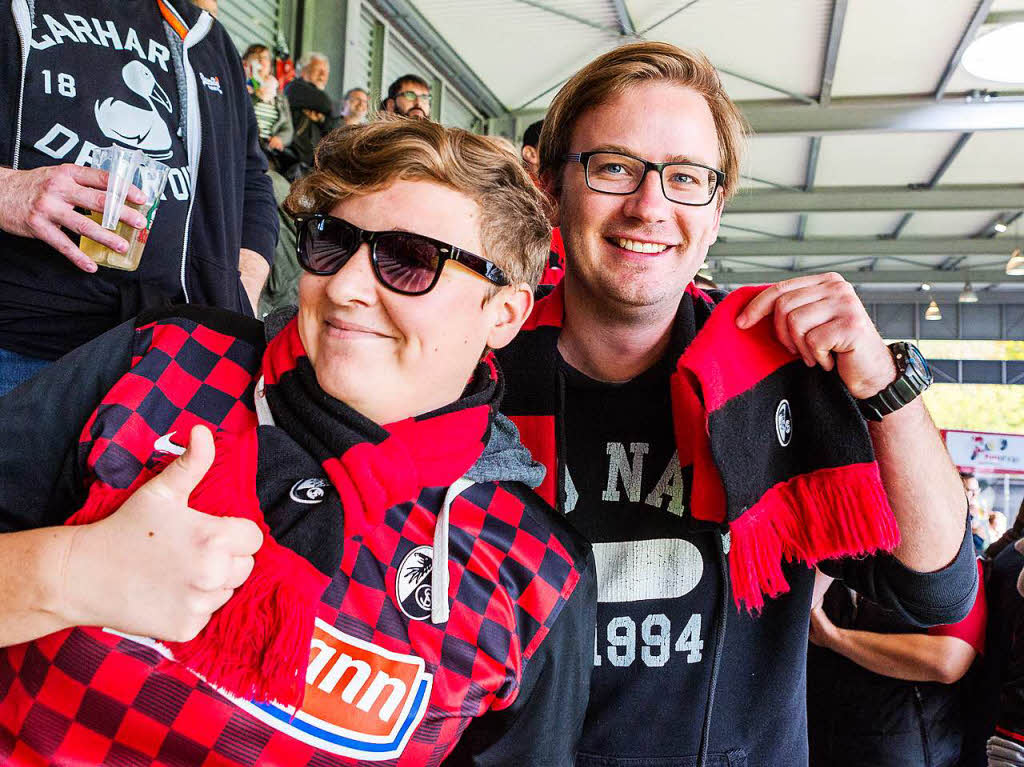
391 356
356 105
639 251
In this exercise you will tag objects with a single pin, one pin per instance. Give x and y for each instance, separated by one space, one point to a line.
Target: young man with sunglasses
363 574
709 446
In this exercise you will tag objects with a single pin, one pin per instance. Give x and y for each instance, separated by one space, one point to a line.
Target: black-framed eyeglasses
413 96
687 183
404 262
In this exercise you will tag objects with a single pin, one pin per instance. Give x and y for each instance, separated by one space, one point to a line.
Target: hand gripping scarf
784 461
257 645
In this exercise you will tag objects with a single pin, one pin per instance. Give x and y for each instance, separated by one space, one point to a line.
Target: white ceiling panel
898 47
778 159
824 225
942 223
520 50
891 159
995 157
747 37
746 226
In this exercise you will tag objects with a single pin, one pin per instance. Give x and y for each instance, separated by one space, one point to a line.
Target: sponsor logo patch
412 583
310 490
783 423
361 700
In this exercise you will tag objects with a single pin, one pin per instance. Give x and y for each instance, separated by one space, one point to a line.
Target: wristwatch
913 376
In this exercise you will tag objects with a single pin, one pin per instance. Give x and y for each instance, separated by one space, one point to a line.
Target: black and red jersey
507 673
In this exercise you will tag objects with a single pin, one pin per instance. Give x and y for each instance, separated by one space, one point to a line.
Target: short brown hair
628 66
362 159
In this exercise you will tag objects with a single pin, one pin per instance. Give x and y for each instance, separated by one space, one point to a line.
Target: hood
505 459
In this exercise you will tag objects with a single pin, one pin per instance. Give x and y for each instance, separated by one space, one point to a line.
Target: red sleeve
972 628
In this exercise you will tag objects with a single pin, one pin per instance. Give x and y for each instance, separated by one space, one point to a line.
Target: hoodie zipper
20 12
193 118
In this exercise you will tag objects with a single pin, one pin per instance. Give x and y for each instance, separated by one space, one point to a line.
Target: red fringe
828 513
256 646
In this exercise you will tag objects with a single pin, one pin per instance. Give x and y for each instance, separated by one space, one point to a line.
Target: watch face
917 363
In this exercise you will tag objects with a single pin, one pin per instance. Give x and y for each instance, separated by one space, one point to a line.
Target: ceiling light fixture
926 286
933 312
999 227
968 296
996 55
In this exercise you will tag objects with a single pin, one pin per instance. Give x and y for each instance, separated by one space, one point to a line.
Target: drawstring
723 615
439 571
263 414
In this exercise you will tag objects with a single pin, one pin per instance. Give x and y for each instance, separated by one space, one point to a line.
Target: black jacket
47 305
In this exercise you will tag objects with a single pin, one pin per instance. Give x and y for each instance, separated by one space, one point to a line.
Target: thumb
182 475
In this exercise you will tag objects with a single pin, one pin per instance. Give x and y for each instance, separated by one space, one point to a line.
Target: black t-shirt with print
629 494
100 73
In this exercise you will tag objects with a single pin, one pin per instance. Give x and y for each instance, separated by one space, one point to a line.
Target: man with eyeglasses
409 96
355 569
712 447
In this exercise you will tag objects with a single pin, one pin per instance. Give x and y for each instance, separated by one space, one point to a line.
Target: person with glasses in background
710 446
409 96
354 568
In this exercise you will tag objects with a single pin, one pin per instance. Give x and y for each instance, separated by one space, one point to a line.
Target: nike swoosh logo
164 445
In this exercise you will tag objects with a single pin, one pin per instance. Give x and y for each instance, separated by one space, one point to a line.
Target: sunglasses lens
328 245
406 262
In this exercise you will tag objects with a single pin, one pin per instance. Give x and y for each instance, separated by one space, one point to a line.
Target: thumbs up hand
156 567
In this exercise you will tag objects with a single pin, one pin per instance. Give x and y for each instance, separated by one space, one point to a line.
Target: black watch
913 376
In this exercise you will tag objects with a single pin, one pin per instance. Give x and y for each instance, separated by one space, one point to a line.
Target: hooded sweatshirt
158 75
505 672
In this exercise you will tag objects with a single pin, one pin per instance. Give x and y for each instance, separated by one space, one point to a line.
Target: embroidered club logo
212 83
412 584
361 700
312 490
783 423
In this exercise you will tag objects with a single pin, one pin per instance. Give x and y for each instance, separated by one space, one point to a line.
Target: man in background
311 112
355 106
529 153
409 96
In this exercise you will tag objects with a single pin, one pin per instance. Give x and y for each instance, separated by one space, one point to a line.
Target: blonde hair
363 159
635 64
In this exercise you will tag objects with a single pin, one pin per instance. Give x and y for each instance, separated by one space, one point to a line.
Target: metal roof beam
567 15
421 33
849 246
835 34
1005 17
812 171
980 14
873 115
626 26
856 276
880 199
936 177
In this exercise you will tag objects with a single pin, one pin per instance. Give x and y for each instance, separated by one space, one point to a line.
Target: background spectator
530 153
409 96
981 529
882 692
273 114
216 220
355 106
311 113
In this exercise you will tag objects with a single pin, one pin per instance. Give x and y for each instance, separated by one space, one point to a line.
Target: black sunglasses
405 262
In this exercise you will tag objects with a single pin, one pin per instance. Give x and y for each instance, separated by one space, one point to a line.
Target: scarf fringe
257 645
786 523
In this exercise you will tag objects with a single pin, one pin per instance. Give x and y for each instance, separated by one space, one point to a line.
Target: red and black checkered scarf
257 645
808 492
